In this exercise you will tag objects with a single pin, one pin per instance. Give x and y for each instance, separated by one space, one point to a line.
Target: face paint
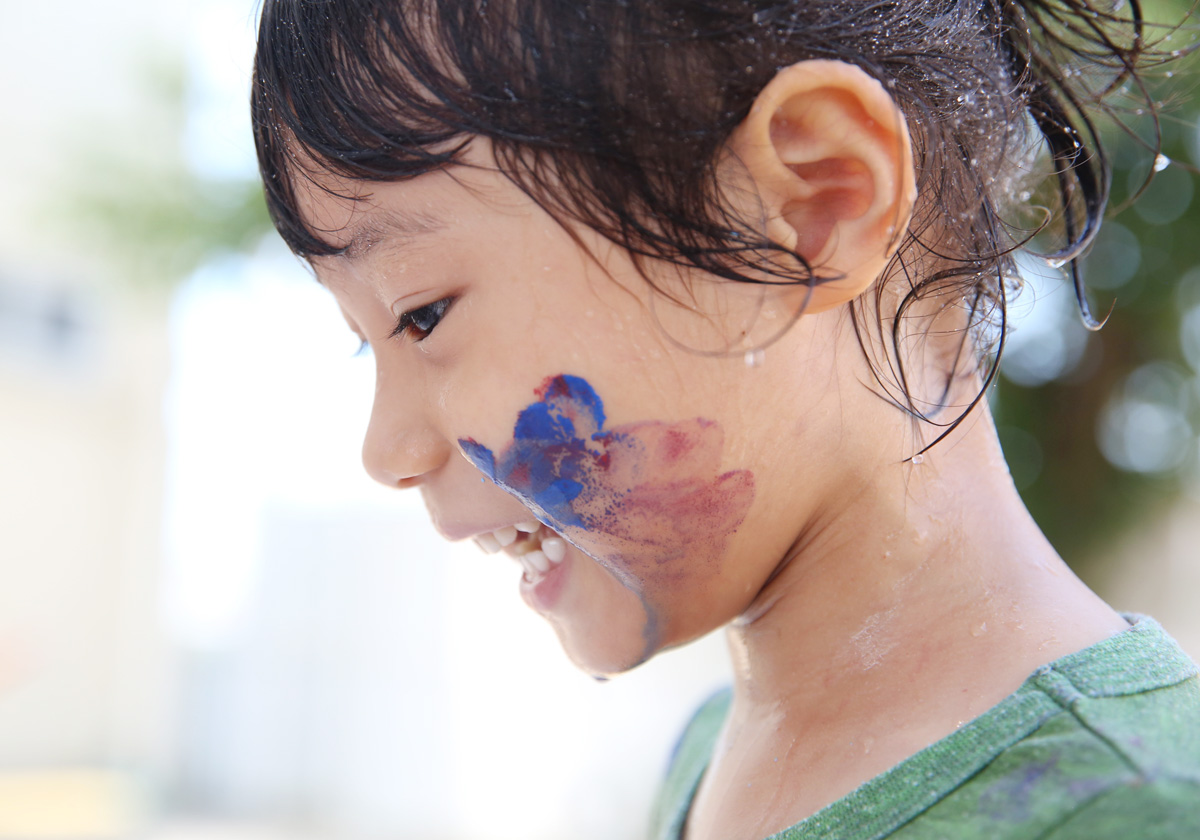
645 498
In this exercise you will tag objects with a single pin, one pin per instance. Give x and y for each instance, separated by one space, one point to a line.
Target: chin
605 654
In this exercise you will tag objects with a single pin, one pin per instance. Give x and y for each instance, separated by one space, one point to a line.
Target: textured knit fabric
1103 744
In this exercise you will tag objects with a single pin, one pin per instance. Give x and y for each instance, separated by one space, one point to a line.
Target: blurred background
212 625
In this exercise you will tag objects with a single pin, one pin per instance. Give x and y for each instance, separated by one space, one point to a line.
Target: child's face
536 380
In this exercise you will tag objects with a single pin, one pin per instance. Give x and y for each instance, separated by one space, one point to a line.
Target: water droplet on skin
754 358
1161 162
979 629
867 743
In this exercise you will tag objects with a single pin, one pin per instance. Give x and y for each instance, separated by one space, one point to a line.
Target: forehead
356 217
352 216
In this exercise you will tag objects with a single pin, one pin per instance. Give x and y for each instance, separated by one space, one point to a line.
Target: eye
418 323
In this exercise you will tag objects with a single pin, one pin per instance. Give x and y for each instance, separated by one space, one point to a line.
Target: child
689 307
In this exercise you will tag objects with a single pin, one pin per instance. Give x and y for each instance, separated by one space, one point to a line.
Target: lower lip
545 592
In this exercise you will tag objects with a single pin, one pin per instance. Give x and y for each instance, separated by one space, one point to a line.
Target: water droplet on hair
754 358
1161 162
918 459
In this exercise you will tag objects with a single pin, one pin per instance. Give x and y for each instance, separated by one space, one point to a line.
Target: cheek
647 499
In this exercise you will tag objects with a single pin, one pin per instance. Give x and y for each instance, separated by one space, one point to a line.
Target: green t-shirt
1103 744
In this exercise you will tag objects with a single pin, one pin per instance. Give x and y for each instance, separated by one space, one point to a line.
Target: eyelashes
418 324
415 324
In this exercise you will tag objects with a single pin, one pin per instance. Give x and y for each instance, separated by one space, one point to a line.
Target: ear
829 154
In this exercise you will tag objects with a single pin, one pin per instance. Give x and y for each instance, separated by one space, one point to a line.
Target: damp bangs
608 115
359 92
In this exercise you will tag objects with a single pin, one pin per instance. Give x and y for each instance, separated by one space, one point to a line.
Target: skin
872 604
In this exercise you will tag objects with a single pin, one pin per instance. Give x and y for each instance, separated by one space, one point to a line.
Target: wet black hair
612 114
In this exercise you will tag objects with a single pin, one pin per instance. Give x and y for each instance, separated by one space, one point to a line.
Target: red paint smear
520 473
676 444
661 494
552 386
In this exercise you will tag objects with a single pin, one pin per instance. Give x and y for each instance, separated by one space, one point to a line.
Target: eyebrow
398 230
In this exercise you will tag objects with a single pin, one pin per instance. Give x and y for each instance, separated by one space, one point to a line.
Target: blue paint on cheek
548 463
480 456
539 423
656 486
653 490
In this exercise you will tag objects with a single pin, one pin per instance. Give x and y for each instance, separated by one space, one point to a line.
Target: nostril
403 460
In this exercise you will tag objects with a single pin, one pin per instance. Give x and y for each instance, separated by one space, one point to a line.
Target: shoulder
1121 758
1135 698
1100 745
688 762
1166 809
696 741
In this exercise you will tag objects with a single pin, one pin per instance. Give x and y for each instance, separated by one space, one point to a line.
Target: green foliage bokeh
1145 264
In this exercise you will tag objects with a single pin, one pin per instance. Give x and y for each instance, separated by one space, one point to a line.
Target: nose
402 446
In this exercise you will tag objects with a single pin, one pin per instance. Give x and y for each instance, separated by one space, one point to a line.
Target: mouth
538 548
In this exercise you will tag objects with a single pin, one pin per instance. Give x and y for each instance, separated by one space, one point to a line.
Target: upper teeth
537 554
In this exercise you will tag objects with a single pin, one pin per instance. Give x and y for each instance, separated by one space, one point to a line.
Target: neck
918 604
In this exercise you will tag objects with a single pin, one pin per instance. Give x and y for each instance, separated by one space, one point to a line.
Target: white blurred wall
85 671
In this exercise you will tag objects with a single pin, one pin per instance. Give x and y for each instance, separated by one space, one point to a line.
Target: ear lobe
830 157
